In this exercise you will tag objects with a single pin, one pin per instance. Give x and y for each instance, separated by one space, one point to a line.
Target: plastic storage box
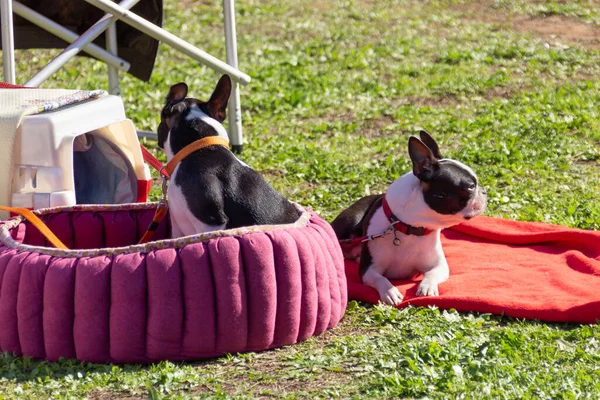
86 153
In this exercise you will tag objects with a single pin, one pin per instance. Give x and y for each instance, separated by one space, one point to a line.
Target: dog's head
184 120
449 186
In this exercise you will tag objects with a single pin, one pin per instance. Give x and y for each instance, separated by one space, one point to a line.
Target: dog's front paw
427 288
391 296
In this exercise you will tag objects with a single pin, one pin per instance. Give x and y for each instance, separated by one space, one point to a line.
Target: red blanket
520 269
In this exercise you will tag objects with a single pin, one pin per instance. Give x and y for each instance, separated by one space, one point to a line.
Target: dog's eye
441 195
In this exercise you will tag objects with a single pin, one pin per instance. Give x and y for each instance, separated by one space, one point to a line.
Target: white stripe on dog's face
197 113
461 165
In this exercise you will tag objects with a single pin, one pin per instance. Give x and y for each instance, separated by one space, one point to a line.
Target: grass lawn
508 86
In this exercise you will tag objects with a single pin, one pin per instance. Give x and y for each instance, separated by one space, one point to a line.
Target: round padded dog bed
188 298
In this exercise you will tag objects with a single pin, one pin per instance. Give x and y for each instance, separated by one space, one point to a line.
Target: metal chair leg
8 42
235 110
113 73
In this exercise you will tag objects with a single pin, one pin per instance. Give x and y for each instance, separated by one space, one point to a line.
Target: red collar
401 226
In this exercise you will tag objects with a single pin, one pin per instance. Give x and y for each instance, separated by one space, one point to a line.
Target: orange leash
166 171
160 213
38 223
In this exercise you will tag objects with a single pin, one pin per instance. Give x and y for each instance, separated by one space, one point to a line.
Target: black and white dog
437 194
211 189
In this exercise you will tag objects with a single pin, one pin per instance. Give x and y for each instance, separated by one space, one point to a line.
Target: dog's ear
177 92
424 162
429 142
217 105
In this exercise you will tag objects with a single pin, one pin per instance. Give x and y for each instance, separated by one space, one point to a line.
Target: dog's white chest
413 254
183 221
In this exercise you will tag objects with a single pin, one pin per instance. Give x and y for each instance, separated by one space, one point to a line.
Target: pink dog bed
201 296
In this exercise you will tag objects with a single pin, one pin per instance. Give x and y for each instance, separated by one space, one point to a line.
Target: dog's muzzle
477 204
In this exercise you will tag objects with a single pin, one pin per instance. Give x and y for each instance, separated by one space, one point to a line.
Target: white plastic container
79 154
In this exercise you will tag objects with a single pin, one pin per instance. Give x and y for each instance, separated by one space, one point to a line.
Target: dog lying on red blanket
400 230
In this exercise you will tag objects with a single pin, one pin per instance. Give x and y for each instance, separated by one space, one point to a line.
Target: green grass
337 89
376 352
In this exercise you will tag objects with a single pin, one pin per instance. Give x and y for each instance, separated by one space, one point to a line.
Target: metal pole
71 51
8 42
147 134
235 110
113 73
168 38
68 36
